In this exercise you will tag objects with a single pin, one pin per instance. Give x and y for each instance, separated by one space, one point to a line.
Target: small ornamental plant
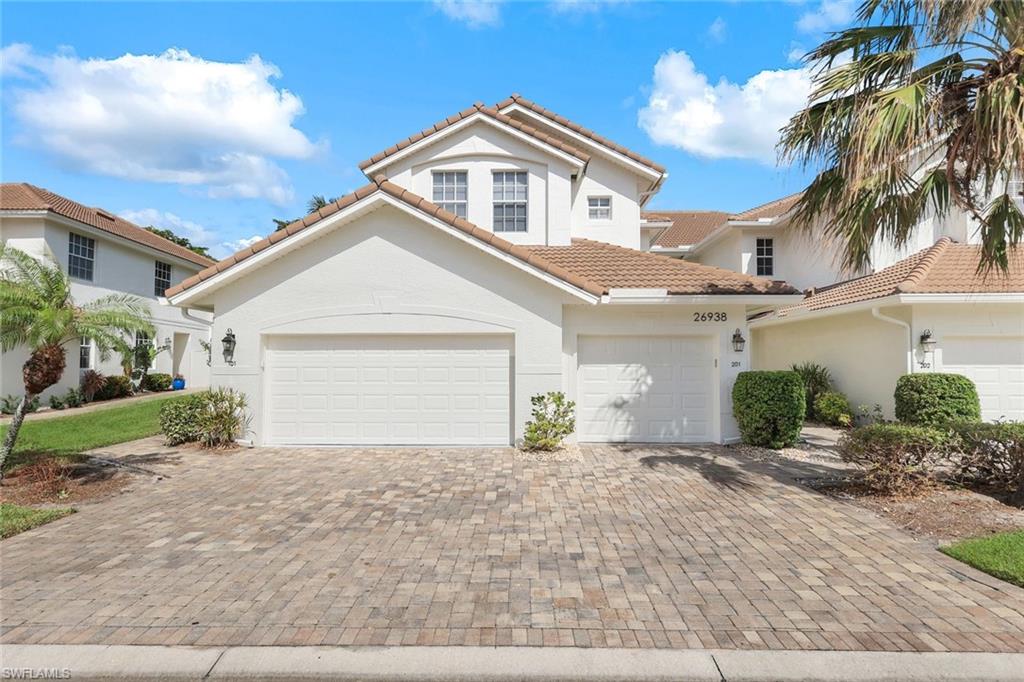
554 418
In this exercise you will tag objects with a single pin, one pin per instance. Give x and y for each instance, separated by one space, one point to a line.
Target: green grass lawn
1001 555
68 436
15 519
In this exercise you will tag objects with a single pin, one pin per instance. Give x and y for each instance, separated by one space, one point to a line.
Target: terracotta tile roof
688 227
946 267
618 267
580 130
593 267
773 209
15 196
477 108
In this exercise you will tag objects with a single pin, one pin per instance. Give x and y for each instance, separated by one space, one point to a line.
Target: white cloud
171 118
473 13
193 231
796 53
239 244
583 6
724 120
716 31
829 15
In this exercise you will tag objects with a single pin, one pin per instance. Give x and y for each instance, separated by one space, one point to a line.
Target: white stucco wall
604 178
481 149
119 267
979 320
665 320
865 355
390 273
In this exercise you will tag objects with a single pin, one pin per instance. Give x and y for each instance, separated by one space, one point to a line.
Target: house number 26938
710 317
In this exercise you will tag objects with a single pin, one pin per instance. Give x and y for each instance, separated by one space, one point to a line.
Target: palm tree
918 107
315 203
39 313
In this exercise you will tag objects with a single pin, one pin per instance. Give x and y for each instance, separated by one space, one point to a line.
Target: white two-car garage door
388 390
653 389
996 366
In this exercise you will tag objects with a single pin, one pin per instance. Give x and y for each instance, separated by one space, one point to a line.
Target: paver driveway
635 547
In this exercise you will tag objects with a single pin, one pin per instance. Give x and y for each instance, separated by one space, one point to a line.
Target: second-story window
451 189
765 257
510 200
162 278
85 353
599 208
81 256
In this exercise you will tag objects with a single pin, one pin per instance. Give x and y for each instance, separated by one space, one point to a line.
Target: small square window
162 278
81 256
599 208
765 257
451 191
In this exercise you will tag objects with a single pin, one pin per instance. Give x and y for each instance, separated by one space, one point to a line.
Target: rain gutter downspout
910 336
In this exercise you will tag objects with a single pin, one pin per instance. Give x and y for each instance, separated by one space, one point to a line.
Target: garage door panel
389 390
995 365
655 389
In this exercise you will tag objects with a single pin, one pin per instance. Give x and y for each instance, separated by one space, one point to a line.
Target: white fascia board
1010 297
671 250
799 316
754 224
78 226
655 224
698 299
370 171
622 159
348 214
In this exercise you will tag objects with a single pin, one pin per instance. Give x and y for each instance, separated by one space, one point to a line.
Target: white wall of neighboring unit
389 273
119 267
480 150
663 322
865 355
605 179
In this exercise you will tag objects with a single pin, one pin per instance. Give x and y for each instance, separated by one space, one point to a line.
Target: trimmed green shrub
833 408
74 397
817 380
935 399
223 417
897 458
114 387
181 419
57 403
156 382
990 454
769 407
554 418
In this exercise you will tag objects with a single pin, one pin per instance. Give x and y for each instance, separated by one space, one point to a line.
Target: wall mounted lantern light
229 347
928 344
738 342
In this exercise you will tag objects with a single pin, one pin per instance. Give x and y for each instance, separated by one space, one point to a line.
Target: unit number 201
710 317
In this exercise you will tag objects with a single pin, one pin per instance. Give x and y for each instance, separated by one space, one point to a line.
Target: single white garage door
648 389
996 366
389 390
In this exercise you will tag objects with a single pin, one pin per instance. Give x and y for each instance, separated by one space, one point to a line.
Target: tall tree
180 241
40 314
916 108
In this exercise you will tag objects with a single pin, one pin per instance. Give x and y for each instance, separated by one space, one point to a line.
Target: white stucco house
493 256
104 254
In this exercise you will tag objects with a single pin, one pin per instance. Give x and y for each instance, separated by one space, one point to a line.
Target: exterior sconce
229 347
928 344
738 342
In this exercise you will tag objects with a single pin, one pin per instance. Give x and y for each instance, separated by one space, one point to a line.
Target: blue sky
212 119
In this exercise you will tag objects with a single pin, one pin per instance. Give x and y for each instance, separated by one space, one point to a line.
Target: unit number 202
710 317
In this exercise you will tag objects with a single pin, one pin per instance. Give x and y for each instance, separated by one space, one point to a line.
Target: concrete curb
498 664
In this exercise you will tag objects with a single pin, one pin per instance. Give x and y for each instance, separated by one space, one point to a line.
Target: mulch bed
939 512
51 481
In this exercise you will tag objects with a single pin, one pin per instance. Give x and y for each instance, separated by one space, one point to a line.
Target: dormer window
451 189
599 208
510 200
765 257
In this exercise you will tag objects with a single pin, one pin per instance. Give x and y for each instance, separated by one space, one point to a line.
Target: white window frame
595 211
503 202
459 207
764 254
85 352
158 281
81 250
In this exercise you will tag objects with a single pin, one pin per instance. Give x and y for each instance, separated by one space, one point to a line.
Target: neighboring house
104 254
930 312
762 242
494 256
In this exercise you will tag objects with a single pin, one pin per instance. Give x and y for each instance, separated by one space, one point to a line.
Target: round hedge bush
833 408
935 399
769 407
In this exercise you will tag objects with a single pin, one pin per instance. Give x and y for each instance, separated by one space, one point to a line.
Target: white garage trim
656 389
996 366
388 389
